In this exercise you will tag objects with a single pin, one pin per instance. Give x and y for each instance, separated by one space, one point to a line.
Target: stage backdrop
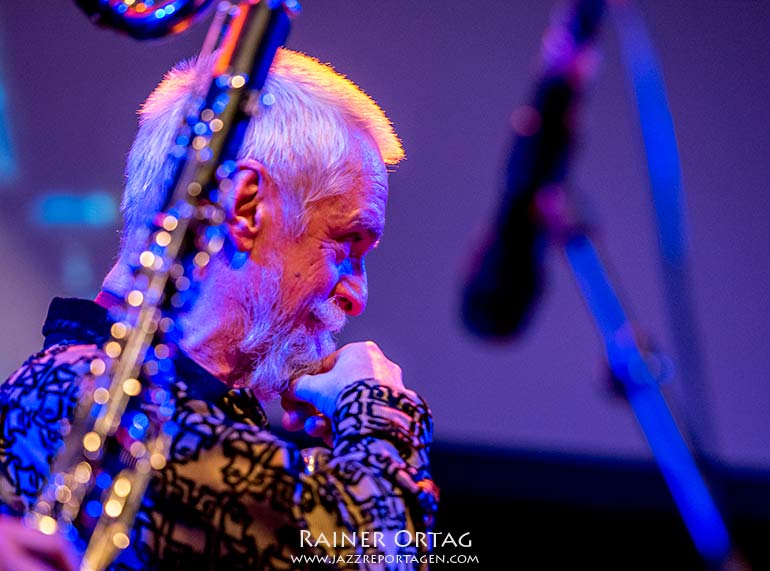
449 74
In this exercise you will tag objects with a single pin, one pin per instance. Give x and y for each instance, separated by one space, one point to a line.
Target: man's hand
25 549
310 400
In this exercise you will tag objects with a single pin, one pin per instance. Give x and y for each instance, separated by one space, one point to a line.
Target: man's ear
245 205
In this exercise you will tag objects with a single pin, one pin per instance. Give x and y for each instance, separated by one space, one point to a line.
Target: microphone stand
507 281
656 125
640 385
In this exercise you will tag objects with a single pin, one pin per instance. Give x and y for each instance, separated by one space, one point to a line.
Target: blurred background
536 456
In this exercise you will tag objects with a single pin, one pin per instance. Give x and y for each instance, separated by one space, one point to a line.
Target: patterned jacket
234 496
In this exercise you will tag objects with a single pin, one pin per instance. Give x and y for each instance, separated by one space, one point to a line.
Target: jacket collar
72 321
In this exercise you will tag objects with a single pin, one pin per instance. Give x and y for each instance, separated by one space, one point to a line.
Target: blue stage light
104 480
96 209
8 166
94 508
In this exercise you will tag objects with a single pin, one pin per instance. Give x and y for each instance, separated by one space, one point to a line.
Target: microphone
506 277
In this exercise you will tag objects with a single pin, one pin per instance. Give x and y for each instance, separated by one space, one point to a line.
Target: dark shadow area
526 510
533 511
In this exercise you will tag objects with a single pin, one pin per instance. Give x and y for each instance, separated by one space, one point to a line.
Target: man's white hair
305 139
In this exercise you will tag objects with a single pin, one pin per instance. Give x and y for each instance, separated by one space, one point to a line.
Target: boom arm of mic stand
687 486
657 129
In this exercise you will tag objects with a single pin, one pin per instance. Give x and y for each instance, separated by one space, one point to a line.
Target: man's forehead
362 199
364 210
369 219
368 153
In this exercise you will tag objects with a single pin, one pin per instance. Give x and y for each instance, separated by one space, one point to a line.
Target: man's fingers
351 363
30 563
292 421
52 548
296 412
320 427
313 389
328 362
18 558
51 552
21 561
317 426
300 414
300 389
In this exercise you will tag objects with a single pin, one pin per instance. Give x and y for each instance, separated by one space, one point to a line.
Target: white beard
276 349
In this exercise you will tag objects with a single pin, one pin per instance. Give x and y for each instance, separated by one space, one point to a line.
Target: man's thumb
313 389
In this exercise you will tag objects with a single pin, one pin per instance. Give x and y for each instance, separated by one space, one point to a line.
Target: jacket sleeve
367 503
33 402
378 469
360 505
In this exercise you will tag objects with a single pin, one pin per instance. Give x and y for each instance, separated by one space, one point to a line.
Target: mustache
329 315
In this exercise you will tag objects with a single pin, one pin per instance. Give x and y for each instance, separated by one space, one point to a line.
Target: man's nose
352 292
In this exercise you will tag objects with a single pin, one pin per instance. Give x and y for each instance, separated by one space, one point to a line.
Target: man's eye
349 245
348 241
353 237
342 250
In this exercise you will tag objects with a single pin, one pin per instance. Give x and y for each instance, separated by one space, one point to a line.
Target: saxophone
122 428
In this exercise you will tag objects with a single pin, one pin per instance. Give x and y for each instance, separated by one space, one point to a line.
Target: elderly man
306 205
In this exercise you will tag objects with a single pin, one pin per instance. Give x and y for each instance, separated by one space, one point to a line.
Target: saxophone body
105 442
